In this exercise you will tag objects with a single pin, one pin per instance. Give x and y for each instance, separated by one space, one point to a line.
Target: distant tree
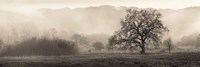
140 25
79 39
168 43
98 46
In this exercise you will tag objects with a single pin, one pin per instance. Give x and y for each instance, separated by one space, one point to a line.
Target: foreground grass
180 59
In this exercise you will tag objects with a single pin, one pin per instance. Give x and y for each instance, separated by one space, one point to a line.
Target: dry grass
179 59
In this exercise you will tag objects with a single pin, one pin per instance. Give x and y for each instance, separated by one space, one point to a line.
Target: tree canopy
139 26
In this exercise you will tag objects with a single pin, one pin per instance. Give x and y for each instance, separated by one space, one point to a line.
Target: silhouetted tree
98 46
140 25
168 43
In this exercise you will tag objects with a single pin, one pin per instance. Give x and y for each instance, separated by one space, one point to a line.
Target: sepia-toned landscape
97 33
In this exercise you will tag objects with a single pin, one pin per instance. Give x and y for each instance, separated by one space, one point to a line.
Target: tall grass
40 47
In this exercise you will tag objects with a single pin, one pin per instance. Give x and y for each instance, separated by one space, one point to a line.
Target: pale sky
32 5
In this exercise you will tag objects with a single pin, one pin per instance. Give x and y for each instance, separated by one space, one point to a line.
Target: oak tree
139 26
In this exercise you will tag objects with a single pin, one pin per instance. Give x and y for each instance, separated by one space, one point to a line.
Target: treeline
53 45
42 46
190 41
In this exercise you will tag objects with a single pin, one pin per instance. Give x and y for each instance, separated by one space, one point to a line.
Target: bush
98 46
41 47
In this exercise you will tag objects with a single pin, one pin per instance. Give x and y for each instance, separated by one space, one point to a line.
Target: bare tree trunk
143 48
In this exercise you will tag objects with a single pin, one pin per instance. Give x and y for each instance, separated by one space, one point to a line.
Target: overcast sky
32 5
176 4
92 17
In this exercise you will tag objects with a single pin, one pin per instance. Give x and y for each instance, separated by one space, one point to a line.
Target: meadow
104 59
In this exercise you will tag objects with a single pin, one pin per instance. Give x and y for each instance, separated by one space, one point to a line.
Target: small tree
168 44
98 46
140 25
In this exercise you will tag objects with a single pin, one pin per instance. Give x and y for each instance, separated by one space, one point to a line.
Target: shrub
98 46
40 47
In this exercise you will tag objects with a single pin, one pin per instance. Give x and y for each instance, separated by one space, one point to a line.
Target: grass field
178 59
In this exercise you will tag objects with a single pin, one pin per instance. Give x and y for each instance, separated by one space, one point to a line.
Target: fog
94 33
88 20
